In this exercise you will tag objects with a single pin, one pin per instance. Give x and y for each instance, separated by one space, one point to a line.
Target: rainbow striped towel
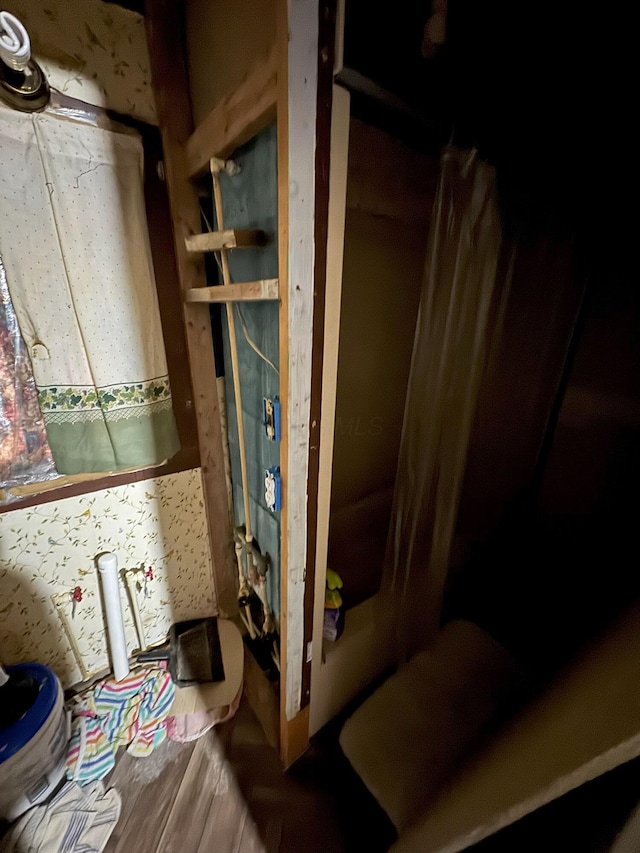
130 712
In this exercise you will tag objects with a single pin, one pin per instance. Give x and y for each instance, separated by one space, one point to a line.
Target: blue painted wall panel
251 201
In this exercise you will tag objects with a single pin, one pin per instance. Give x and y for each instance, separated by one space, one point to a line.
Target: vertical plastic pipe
108 568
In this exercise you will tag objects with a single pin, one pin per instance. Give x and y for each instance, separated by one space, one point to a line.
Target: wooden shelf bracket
246 291
215 241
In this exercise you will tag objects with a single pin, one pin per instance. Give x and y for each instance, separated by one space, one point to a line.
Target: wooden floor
226 793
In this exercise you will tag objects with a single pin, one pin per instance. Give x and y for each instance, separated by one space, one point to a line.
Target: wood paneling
226 41
390 191
237 118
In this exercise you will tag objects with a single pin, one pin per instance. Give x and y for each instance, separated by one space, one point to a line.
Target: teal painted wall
251 201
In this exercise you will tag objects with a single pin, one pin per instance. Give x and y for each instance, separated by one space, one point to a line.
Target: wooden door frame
305 28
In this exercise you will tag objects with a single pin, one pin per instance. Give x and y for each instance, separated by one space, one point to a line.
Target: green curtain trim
135 441
108 398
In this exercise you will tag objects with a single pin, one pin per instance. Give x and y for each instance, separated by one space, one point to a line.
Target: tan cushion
407 738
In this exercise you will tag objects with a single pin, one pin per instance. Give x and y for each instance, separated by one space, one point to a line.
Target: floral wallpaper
156 528
93 51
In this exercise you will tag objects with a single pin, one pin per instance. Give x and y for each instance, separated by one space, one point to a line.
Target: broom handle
233 346
160 653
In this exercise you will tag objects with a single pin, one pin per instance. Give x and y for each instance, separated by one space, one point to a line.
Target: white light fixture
23 84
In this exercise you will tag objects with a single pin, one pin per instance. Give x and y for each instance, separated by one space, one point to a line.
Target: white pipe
15 45
108 568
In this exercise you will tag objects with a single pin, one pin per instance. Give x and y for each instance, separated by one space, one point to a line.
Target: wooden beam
246 291
297 94
171 89
283 326
214 241
324 98
236 119
341 111
61 482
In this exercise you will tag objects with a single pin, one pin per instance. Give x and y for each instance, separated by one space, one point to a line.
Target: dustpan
192 651
220 695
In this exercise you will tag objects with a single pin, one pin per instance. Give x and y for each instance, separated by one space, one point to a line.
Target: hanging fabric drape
76 249
25 456
459 310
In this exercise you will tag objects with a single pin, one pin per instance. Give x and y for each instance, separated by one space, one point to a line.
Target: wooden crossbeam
214 241
236 119
246 291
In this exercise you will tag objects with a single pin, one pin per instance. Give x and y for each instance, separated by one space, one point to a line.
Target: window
60 133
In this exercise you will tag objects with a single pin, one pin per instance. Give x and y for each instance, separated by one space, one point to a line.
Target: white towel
76 819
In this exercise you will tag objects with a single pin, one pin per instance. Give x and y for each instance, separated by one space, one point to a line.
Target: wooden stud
283 320
236 119
297 94
171 90
245 291
214 241
324 60
333 299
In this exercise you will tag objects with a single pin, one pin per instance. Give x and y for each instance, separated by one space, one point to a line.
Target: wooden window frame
168 289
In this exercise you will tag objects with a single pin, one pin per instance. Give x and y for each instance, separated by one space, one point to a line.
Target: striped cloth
132 712
76 820
90 755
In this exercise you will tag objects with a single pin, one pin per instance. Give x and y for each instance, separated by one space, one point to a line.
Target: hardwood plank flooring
148 787
199 787
227 793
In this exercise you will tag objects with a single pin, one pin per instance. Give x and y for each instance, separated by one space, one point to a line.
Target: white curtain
75 245
460 307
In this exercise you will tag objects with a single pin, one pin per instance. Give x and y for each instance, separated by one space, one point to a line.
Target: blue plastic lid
17 735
